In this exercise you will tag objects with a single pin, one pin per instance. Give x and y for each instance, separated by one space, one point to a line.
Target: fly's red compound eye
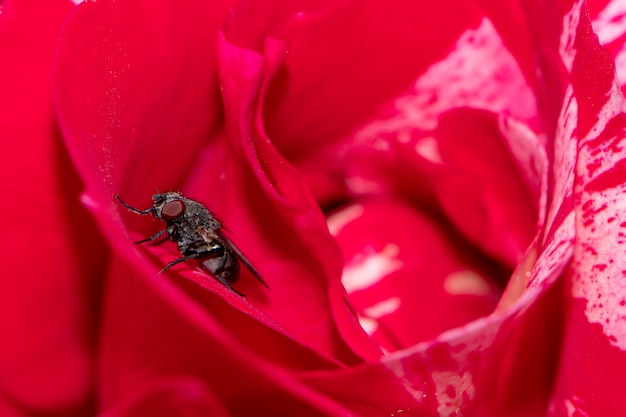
173 210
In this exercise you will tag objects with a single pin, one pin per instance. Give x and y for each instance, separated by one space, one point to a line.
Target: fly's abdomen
225 266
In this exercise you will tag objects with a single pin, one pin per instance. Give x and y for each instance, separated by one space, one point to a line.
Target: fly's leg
183 259
155 236
143 213
133 209
227 285
210 253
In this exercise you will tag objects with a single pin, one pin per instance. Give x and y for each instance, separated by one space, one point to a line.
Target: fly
198 235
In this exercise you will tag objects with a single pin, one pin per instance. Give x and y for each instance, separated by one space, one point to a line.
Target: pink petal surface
448 376
180 396
484 171
9 411
609 23
355 71
480 188
479 369
405 266
250 21
49 243
137 127
593 360
156 331
402 147
522 343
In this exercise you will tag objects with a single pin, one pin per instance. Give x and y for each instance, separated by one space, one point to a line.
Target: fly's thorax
201 216
188 235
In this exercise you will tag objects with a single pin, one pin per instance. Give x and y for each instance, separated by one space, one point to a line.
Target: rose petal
263 201
104 101
485 172
180 396
609 23
143 98
409 278
153 330
302 24
401 150
351 51
520 345
250 21
481 187
593 359
511 21
480 369
108 141
9 410
52 254
477 370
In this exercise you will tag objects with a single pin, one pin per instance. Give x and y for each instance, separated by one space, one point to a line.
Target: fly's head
168 206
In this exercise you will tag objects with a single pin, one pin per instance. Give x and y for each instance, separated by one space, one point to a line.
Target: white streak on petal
89 202
573 408
568 35
369 325
360 185
465 77
611 22
367 270
428 149
398 369
466 283
600 214
529 151
383 308
463 386
341 218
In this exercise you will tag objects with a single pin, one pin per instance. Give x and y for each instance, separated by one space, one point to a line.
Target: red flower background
467 158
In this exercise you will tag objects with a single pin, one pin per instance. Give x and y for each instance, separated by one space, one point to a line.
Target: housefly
198 235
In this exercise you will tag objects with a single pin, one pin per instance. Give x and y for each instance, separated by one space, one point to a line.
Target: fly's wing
241 257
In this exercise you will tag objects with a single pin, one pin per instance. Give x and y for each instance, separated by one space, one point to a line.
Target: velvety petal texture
52 254
399 267
432 192
180 396
594 354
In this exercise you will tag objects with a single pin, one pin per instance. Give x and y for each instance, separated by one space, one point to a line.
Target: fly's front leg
133 209
156 236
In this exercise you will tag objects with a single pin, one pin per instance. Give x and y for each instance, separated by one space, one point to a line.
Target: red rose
461 163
